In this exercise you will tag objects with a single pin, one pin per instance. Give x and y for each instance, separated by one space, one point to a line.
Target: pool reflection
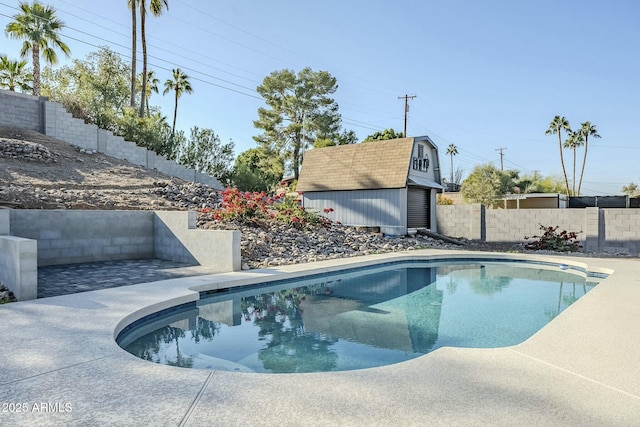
358 320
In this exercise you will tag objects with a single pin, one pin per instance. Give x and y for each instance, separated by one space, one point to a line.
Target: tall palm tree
452 150
586 130
574 140
14 74
180 84
152 86
39 27
557 125
134 28
155 7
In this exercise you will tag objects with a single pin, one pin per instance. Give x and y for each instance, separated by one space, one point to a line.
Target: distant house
389 184
520 201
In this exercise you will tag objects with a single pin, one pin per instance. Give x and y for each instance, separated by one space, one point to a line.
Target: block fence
50 118
30 238
598 229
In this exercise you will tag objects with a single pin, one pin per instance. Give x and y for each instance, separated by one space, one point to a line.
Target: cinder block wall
68 237
50 237
61 125
36 113
621 229
176 238
461 221
5 221
597 229
19 266
116 146
512 225
21 111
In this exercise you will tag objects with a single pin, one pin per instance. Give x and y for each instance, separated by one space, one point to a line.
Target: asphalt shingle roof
365 166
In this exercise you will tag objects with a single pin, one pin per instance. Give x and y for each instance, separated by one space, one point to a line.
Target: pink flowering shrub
254 207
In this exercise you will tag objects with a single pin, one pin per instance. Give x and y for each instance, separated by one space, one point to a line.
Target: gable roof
364 166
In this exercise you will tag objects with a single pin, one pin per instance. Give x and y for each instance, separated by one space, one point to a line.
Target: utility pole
406 110
501 149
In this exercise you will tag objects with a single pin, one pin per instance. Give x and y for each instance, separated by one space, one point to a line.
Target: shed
389 184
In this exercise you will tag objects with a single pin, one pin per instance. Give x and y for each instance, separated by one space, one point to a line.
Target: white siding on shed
386 207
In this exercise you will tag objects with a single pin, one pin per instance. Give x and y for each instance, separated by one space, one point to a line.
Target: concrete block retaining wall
36 113
5 219
19 266
210 248
51 237
69 237
598 229
21 111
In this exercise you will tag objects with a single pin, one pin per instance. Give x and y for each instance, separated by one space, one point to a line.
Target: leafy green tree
586 130
204 152
153 132
96 89
179 85
346 137
300 112
14 74
384 135
452 150
39 27
486 184
258 169
536 183
630 190
134 29
155 7
557 125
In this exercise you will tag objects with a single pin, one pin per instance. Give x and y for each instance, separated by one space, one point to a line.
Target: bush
551 240
443 200
255 208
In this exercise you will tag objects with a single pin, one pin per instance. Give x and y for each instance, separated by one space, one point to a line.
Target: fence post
478 224
592 229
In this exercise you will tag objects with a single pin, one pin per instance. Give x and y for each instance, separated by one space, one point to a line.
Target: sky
487 76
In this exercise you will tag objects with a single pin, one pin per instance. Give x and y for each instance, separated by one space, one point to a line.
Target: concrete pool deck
60 365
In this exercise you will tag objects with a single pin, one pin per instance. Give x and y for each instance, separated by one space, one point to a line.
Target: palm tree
14 74
557 125
38 26
586 130
152 86
134 26
574 140
452 150
180 84
155 6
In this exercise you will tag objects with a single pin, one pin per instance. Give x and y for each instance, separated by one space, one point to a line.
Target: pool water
359 319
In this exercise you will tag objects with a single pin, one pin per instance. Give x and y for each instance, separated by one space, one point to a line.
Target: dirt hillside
40 172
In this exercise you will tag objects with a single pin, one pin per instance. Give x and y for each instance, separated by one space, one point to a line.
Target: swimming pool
359 318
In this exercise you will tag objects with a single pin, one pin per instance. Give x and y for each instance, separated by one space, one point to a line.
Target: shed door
417 208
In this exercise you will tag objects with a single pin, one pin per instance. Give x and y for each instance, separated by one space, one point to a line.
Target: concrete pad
60 362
